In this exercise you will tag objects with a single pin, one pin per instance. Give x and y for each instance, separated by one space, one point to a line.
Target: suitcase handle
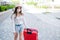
29 31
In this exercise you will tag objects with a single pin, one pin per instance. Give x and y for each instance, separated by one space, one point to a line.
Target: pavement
46 30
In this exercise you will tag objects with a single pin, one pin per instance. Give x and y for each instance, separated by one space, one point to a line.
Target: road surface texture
46 30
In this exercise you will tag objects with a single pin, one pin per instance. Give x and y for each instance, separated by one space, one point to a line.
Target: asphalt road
46 31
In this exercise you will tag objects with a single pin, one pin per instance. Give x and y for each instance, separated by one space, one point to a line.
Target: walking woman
18 22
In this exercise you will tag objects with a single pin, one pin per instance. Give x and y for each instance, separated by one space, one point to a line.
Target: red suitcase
30 34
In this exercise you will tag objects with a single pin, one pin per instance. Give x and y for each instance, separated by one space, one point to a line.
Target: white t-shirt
17 20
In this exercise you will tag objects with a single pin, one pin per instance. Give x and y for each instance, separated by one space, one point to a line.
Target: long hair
15 11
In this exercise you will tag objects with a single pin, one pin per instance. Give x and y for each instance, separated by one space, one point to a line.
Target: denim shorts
18 28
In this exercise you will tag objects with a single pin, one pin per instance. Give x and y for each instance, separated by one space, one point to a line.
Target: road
46 31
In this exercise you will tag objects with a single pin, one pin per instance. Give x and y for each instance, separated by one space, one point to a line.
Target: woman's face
18 10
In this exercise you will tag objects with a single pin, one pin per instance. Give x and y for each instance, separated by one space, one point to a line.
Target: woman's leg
15 35
20 36
20 32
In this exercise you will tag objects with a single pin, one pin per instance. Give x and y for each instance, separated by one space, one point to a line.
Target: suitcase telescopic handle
29 31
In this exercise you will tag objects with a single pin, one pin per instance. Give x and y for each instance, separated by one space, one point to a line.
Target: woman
18 22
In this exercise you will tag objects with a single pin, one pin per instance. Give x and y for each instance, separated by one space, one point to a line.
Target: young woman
18 22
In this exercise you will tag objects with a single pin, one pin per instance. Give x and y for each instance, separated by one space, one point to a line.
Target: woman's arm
24 22
13 24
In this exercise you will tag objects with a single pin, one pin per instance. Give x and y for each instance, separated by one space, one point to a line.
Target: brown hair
15 11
